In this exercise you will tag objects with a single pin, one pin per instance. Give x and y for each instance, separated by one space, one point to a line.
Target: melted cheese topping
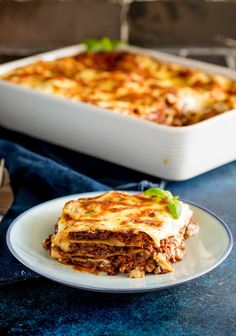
132 84
120 212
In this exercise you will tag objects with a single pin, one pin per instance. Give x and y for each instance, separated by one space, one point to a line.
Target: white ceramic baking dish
174 153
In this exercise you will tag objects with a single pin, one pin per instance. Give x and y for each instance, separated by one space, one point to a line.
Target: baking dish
174 153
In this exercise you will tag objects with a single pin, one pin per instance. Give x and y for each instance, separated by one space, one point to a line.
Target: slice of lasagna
118 232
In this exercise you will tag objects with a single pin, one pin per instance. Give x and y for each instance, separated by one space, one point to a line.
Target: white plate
204 252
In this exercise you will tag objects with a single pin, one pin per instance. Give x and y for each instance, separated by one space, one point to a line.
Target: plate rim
118 290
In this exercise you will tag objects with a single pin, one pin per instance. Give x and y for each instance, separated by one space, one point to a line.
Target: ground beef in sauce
100 250
128 237
135 265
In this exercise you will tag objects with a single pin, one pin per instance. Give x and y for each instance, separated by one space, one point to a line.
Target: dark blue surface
36 306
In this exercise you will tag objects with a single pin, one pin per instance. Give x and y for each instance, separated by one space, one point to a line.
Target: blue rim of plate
113 290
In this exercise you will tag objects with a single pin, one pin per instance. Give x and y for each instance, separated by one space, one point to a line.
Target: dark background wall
182 22
29 26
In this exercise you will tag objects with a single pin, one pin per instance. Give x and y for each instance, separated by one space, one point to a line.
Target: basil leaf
92 45
103 44
164 194
169 195
107 44
174 207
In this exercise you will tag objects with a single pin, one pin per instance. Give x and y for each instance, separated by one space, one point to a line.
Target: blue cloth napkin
44 172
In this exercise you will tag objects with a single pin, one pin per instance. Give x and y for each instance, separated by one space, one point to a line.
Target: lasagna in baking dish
118 232
133 84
